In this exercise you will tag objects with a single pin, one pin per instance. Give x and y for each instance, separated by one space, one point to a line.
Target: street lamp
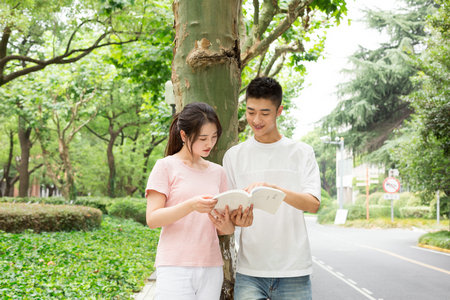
168 95
340 142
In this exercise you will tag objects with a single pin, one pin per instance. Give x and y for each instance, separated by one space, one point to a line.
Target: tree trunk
69 190
24 133
111 163
6 177
207 68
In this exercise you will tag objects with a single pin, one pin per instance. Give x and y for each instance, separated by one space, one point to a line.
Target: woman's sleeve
158 179
223 182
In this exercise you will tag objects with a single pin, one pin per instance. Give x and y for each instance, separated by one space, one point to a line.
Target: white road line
367 291
408 259
352 282
343 279
429 250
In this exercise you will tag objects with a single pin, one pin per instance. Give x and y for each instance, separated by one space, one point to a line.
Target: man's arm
302 201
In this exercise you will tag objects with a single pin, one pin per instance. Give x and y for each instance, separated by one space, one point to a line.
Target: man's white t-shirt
274 245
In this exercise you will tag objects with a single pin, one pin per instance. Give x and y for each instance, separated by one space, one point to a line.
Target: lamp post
168 95
340 142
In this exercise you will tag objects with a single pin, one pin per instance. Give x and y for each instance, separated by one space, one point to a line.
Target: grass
109 263
426 224
440 239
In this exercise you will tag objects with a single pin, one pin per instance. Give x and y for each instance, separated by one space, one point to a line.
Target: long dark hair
190 120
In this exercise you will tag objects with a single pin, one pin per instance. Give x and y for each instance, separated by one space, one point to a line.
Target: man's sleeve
311 177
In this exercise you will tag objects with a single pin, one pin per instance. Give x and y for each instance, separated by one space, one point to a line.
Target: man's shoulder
237 147
296 145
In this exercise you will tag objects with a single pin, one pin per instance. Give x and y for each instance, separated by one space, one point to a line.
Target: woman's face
205 141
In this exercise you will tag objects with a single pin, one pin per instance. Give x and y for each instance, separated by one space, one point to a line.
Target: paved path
148 292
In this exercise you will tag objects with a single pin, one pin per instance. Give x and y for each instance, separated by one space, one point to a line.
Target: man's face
262 117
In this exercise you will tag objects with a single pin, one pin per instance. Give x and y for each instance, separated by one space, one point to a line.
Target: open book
262 197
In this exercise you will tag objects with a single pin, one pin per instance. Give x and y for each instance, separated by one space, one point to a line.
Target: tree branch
295 9
256 13
282 50
61 59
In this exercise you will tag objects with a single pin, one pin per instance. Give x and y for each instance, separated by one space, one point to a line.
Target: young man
274 259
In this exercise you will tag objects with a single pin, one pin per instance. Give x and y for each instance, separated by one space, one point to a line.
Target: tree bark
6 177
111 161
24 133
207 68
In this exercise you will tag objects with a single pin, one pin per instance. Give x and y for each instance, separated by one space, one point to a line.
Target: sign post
391 186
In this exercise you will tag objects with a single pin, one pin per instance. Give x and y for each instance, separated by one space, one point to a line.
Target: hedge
415 212
18 217
129 209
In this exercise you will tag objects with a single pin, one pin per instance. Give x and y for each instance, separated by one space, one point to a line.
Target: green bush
356 212
325 200
109 263
326 215
439 239
444 207
101 203
129 209
415 212
17 217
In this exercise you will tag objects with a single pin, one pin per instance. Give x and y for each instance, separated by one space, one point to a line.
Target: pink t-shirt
192 240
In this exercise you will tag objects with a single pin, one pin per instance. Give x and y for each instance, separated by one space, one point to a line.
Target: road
376 264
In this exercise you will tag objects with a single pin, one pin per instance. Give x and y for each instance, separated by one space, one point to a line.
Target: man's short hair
266 88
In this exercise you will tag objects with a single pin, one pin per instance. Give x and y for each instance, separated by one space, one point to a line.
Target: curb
433 248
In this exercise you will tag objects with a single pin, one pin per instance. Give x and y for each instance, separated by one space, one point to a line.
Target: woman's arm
158 215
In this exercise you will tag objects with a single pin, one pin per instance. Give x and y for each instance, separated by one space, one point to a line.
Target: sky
318 97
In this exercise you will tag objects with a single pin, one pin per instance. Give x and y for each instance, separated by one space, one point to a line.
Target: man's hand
242 219
249 188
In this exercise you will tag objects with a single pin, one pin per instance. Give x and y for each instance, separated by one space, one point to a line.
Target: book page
233 199
267 199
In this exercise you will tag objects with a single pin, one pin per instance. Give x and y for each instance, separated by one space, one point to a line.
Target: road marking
367 291
408 259
343 279
430 250
352 282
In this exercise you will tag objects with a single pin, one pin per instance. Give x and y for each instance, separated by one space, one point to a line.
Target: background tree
422 152
326 159
76 28
372 105
63 111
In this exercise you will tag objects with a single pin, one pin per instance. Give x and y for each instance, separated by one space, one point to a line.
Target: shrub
129 209
415 212
109 263
17 217
326 215
439 239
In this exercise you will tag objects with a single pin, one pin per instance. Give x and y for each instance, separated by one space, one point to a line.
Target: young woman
179 199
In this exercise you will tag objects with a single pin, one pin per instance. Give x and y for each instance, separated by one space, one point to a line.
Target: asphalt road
353 264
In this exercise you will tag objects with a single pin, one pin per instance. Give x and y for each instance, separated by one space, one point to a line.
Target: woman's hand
242 219
203 204
222 221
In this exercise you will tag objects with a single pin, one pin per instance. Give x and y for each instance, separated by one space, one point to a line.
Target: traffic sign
391 185
391 196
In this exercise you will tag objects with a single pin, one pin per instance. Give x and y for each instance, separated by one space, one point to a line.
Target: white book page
267 199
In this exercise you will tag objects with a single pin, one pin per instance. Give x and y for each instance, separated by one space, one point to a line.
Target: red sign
391 185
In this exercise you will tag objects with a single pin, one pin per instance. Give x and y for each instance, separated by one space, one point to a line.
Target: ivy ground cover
109 263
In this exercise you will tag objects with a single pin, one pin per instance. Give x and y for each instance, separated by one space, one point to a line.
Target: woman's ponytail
175 143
